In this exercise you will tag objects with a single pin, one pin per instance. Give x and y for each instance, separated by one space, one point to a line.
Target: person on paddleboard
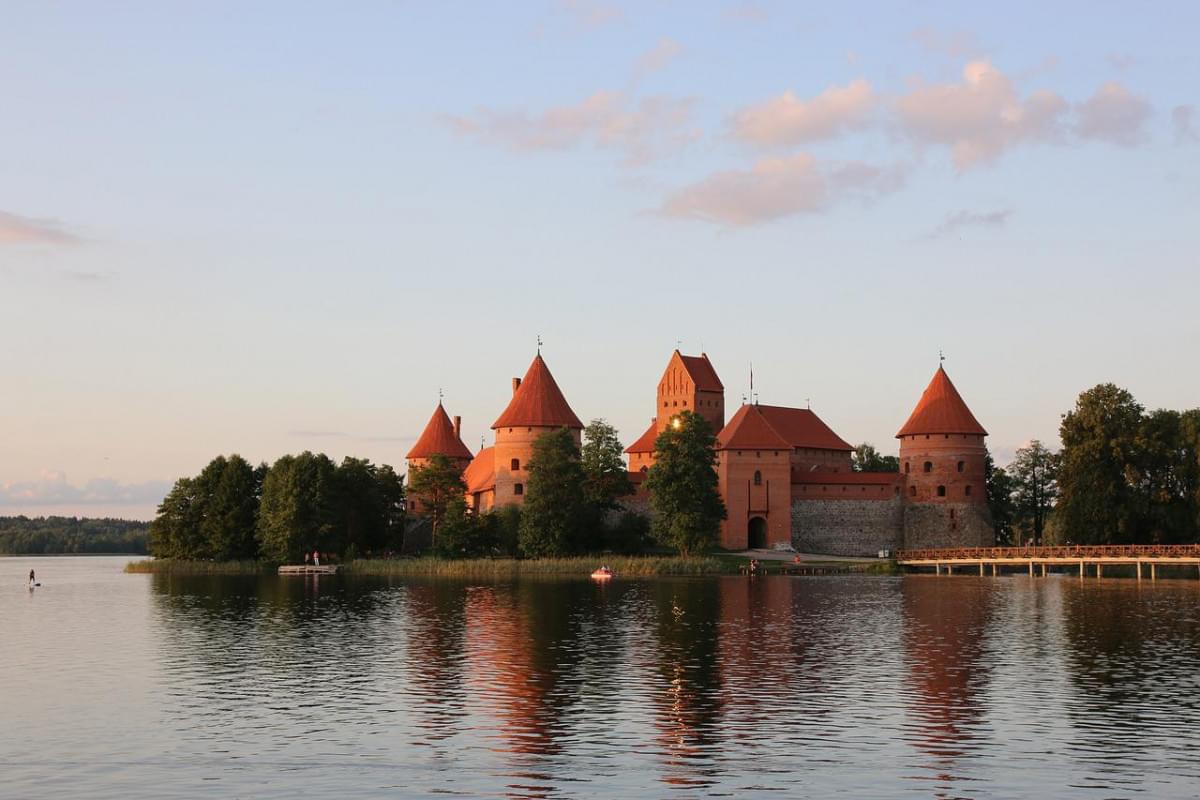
32 579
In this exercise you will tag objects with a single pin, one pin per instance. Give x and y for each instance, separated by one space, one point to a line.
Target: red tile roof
538 402
701 371
749 430
941 410
439 438
645 442
480 474
802 428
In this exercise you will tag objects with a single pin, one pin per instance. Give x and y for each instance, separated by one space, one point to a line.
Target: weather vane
808 403
539 341
440 395
941 356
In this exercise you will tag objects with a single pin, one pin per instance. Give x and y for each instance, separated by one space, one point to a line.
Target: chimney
458 427
516 384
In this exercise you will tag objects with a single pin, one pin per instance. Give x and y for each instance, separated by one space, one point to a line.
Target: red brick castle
785 476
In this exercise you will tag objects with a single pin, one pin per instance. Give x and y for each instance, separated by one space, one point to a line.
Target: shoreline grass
169 566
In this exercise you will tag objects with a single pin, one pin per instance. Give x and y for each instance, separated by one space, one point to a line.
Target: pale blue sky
266 227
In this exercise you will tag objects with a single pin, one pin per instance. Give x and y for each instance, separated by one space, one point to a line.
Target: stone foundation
948 525
847 527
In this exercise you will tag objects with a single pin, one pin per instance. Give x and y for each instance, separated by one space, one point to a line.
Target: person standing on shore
316 558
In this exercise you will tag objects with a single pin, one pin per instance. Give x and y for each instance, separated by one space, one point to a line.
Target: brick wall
847 527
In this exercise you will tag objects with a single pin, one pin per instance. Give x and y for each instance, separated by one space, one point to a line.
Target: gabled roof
480 474
750 430
701 371
538 402
941 410
802 428
439 438
645 442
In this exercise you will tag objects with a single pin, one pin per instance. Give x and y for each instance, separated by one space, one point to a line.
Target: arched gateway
756 534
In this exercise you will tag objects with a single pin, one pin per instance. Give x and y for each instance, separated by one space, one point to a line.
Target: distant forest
42 535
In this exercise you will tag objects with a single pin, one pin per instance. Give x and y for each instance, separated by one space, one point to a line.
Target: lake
154 686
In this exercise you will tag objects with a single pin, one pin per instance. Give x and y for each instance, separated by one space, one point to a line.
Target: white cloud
1181 119
979 118
958 220
52 488
775 188
658 57
640 129
1113 114
788 120
15 229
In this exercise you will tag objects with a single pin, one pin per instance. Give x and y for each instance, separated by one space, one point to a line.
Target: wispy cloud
788 120
1113 114
955 44
657 57
777 187
592 14
1181 120
957 221
16 229
53 488
979 118
640 129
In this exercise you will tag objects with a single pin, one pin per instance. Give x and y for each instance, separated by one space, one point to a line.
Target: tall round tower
942 457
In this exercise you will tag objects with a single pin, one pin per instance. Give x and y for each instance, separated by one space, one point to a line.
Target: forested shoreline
54 535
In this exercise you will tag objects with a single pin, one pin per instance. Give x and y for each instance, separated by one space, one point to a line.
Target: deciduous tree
556 518
683 486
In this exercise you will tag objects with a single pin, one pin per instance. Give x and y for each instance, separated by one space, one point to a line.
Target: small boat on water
602 574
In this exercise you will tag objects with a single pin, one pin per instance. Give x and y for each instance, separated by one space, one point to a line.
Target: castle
785 476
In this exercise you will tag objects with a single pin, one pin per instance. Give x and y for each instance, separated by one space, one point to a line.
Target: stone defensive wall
948 525
850 527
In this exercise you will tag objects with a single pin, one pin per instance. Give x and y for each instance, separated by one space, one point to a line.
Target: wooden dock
1038 560
309 569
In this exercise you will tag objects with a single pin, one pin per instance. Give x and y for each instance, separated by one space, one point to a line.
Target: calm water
149 686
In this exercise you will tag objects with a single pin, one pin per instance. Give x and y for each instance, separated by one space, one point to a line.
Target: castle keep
785 476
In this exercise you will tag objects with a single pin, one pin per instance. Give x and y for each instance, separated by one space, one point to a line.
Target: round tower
942 458
537 408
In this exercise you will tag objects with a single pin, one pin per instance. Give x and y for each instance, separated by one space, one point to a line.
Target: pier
1086 559
309 569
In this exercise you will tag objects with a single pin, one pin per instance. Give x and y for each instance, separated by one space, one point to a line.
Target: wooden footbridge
1084 558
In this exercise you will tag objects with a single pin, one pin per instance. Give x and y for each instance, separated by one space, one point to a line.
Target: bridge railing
1078 551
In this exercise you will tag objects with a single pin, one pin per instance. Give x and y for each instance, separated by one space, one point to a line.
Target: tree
1164 477
607 477
556 516
866 458
175 532
1034 478
683 486
436 485
210 516
370 506
999 499
1096 501
299 508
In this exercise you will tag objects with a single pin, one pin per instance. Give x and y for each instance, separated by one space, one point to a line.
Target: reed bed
170 566
627 566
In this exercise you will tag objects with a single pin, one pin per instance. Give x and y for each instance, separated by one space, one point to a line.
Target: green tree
999 500
437 485
607 477
1164 477
1096 502
370 506
866 458
230 490
556 517
299 508
1034 490
683 486
175 532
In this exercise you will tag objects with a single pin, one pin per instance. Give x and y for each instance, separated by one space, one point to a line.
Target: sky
269 227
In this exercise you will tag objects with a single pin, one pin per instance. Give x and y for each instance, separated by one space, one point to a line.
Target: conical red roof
538 402
941 410
439 438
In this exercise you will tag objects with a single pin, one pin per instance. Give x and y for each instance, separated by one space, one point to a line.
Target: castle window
907 467
912 491
967 490
960 466
685 403
644 469
897 491
947 436
941 491
518 488
929 466
952 513
516 464
665 404
675 403
757 478
927 436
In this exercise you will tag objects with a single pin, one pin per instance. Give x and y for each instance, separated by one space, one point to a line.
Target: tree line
37 535
572 498
1123 476
233 510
